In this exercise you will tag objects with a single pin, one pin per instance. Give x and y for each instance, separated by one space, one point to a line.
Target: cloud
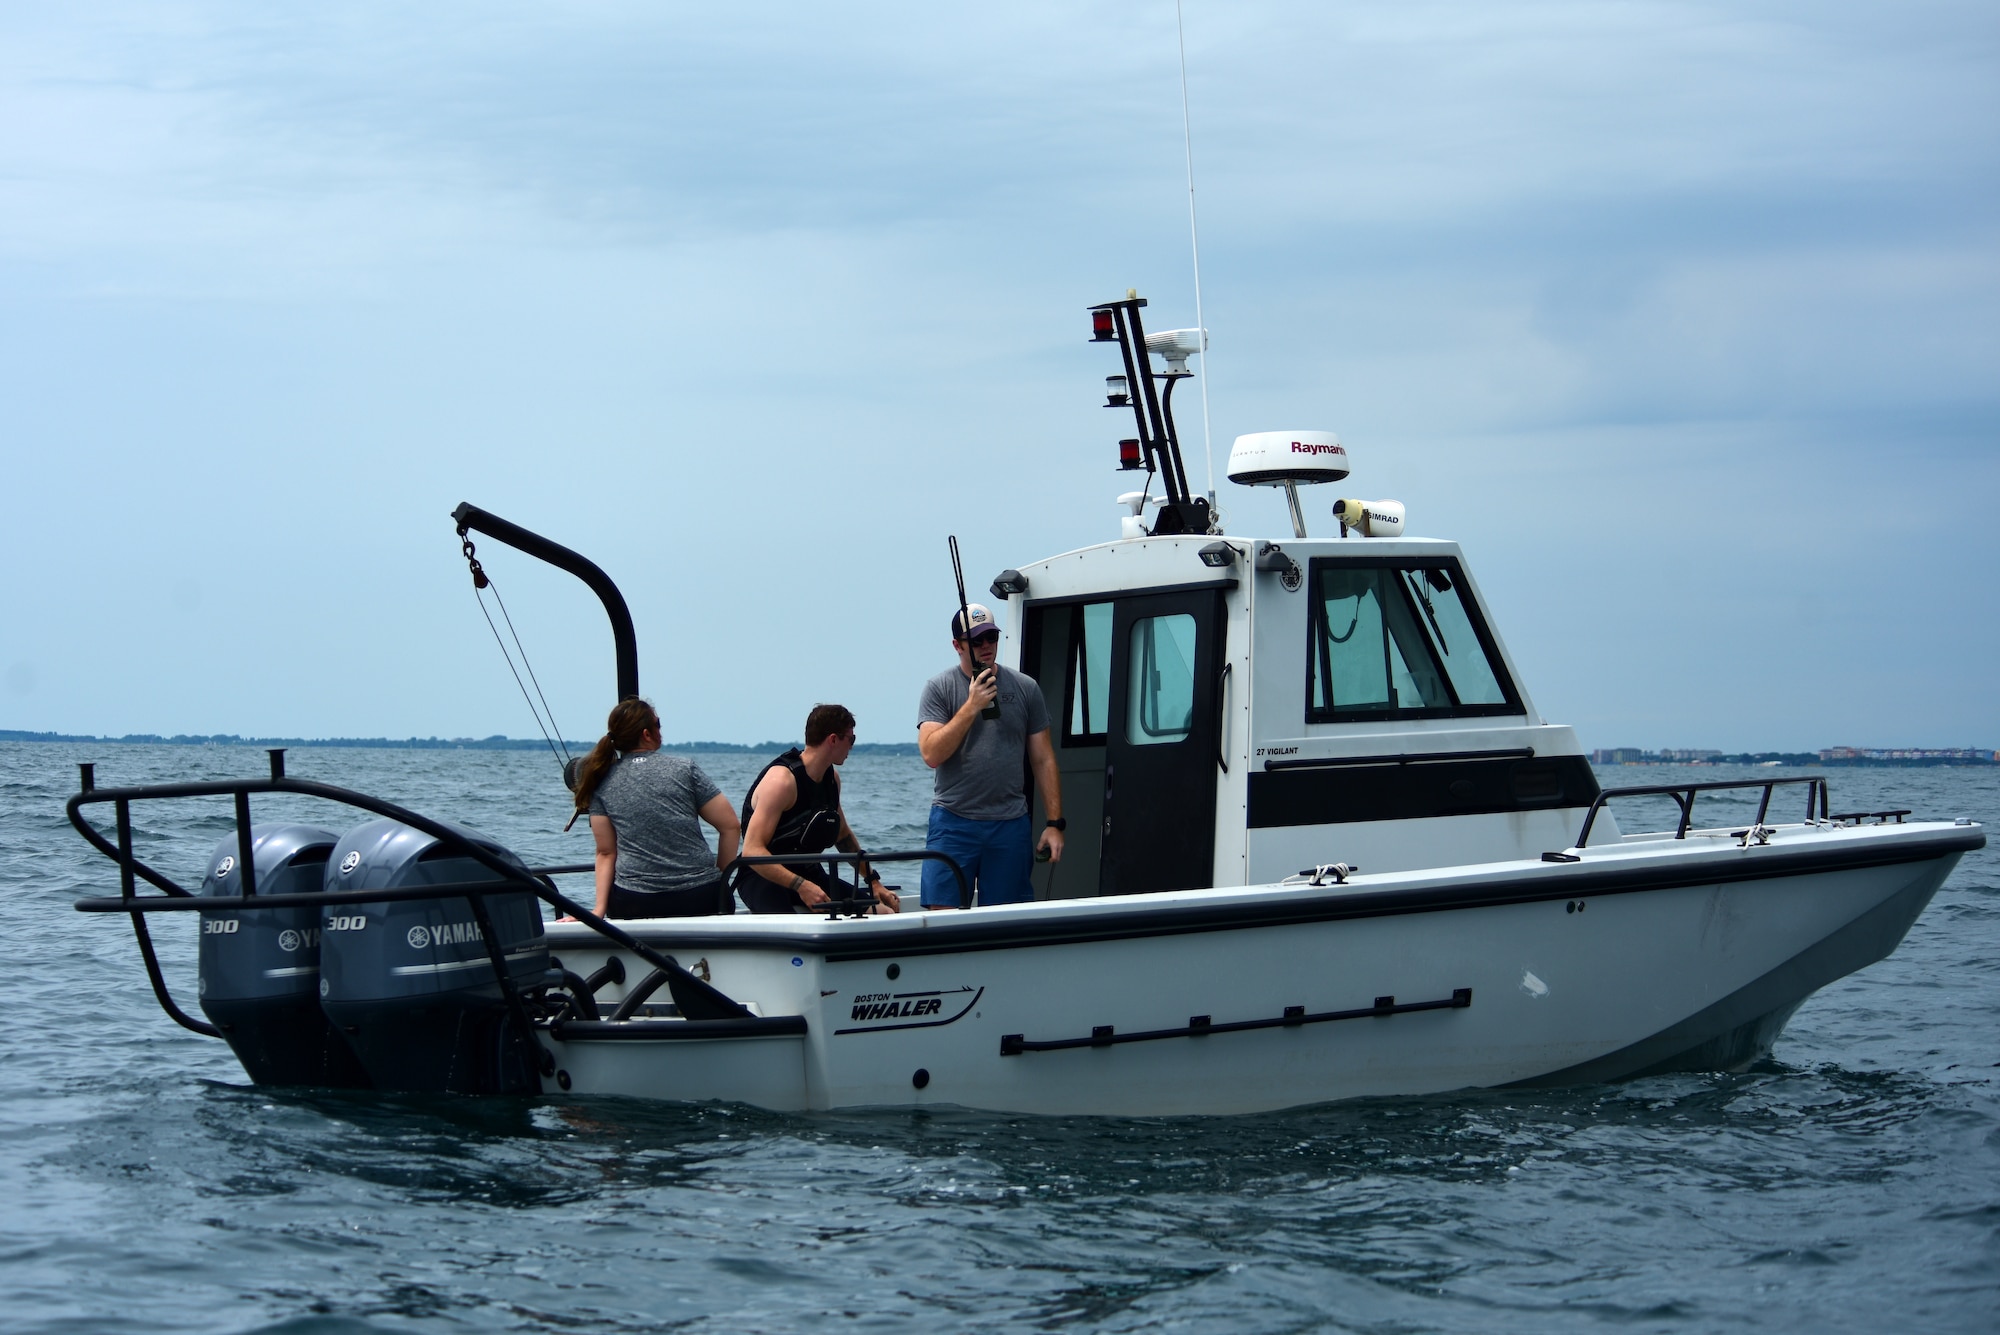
702 289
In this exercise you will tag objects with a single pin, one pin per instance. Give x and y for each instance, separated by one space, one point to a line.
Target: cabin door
1161 743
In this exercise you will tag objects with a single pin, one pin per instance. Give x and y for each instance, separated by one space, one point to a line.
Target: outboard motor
259 980
410 983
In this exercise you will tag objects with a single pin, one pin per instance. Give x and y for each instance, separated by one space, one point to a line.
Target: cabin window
1160 701
1088 676
1398 639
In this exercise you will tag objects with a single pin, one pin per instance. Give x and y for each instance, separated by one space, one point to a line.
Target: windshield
1398 639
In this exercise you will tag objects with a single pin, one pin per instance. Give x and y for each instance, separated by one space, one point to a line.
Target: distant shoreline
1795 759
494 743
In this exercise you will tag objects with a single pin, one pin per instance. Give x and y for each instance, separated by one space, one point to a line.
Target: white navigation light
1371 519
1176 346
1286 459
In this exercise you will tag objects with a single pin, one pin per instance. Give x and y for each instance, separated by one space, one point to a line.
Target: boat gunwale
1240 908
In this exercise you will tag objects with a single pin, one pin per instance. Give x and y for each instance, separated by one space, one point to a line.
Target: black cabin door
1161 743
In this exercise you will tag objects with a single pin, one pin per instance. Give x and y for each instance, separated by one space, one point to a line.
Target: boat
1323 845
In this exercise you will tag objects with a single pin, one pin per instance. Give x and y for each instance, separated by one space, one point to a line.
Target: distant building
1618 755
1921 755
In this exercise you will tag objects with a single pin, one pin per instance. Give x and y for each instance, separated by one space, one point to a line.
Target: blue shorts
996 855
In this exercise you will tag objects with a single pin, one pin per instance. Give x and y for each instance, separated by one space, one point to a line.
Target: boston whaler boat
1321 845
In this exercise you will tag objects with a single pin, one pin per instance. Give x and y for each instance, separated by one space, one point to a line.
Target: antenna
1194 238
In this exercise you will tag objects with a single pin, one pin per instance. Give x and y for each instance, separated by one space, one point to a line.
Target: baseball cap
978 620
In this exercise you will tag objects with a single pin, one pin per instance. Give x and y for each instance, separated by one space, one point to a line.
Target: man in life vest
794 807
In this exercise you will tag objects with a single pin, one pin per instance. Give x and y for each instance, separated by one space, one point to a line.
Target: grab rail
510 879
1684 795
856 859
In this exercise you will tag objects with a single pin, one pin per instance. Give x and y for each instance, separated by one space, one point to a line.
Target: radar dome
1273 458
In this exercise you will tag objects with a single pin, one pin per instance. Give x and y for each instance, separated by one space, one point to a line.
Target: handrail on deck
510 878
1684 795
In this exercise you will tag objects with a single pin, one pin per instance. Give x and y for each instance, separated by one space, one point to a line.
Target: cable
1194 238
560 756
556 728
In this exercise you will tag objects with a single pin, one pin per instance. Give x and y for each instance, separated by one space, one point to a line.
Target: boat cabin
1229 711
1234 716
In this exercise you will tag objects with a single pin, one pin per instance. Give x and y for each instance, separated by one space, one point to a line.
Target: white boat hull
1647 955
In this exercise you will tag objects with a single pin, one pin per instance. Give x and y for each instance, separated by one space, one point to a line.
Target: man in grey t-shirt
979 813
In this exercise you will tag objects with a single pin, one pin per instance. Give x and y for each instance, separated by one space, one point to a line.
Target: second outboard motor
410 983
259 977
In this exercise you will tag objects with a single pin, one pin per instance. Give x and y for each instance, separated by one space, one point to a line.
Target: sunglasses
992 637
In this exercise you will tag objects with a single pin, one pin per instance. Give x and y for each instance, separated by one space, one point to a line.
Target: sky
1684 318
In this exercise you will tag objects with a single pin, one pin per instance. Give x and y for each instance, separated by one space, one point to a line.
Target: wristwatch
1058 824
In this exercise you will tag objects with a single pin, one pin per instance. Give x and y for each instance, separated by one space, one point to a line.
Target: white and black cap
975 620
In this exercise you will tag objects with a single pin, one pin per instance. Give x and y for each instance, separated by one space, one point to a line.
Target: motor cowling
259 968
410 984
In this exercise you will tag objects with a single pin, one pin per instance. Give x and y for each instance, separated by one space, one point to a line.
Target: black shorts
701 902
764 897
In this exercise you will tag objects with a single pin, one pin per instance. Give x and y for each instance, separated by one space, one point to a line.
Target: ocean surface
1850 1183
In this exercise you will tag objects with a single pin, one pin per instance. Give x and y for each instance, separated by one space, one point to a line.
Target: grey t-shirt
652 799
983 778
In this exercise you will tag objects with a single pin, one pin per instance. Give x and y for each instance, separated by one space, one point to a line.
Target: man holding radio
976 723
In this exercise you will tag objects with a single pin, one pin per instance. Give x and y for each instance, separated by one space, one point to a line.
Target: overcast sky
1684 318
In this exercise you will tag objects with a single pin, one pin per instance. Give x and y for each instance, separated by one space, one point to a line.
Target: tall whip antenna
1194 237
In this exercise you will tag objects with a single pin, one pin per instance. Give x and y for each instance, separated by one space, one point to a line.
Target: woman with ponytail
645 806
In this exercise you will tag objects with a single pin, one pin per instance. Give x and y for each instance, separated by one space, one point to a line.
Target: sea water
1849 1183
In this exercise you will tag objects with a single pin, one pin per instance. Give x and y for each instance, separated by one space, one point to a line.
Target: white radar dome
1274 458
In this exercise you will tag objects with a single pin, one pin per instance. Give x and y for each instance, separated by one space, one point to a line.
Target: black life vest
812 823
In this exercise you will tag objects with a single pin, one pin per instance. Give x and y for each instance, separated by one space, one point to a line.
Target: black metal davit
624 642
1151 399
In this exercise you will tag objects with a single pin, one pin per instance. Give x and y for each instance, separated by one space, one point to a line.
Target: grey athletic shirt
983 780
652 800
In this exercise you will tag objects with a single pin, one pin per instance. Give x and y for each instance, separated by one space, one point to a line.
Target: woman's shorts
700 902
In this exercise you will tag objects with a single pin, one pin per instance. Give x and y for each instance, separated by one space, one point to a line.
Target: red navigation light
1128 454
1101 330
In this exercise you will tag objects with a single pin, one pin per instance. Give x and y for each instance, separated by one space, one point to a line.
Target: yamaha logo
418 937
288 940
224 867
350 862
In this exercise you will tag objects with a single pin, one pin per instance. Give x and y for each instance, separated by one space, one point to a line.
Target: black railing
837 906
1684 796
508 879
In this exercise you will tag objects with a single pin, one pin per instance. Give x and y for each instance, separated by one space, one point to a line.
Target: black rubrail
1104 1035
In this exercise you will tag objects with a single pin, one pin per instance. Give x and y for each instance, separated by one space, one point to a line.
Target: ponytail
629 718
